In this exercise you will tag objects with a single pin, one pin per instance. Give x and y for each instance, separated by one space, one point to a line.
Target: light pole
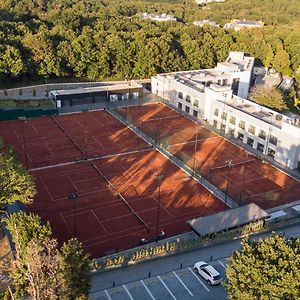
229 165
73 197
85 111
24 121
158 177
243 180
195 150
46 81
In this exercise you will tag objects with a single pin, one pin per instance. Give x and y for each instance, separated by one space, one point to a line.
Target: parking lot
176 285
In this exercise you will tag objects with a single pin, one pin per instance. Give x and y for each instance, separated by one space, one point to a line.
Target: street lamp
229 165
195 150
158 177
85 112
243 180
73 197
46 77
24 121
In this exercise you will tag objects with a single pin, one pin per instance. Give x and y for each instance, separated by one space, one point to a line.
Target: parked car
208 272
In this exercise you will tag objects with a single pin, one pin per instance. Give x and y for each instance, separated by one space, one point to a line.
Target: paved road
170 277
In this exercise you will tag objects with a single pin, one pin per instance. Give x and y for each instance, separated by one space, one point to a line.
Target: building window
271 153
187 109
195 113
251 129
260 147
242 124
250 142
180 105
216 112
224 115
262 134
223 126
232 120
215 123
180 95
273 140
196 103
231 131
188 99
240 136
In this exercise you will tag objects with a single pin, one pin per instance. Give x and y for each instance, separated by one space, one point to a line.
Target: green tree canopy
269 97
76 267
265 269
15 181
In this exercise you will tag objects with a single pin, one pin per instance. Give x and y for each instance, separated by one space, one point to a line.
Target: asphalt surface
171 277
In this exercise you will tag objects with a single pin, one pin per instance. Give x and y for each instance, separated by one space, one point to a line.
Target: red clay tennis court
62 139
250 180
119 186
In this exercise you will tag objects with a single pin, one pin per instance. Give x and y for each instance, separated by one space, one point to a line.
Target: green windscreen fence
14 114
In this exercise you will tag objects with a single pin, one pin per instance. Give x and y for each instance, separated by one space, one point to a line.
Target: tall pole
158 177
195 150
24 122
229 165
243 181
85 133
73 197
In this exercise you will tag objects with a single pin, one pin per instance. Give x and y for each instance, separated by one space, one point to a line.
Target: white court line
125 288
144 285
222 264
107 295
199 279
183 284
166 288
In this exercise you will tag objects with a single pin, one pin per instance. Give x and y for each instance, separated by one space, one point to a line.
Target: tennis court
66 138
118 187
247 180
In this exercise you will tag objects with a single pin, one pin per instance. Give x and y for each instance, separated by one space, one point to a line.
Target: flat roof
227 219
296 207
256 110
82 90
277 214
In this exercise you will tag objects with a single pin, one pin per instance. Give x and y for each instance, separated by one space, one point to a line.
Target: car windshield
204 265
217 277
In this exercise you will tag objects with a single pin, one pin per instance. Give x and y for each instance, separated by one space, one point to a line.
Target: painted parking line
222 264
166 288
144 285
107 295
183 284
199 279
126 290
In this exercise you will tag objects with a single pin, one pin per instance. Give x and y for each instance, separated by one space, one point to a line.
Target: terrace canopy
227 219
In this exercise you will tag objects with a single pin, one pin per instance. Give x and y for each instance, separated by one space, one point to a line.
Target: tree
76 267
15 181
24 228
265 269
269 97
43 275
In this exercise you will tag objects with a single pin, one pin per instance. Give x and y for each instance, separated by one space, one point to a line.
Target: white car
208 272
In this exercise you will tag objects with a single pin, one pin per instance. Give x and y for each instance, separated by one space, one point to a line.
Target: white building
158 17
238 24
201 23
218 95
204 2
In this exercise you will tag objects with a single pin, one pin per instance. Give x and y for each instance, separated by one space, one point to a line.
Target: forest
102 39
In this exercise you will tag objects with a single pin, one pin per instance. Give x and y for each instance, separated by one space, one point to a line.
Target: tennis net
120 196
239 164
